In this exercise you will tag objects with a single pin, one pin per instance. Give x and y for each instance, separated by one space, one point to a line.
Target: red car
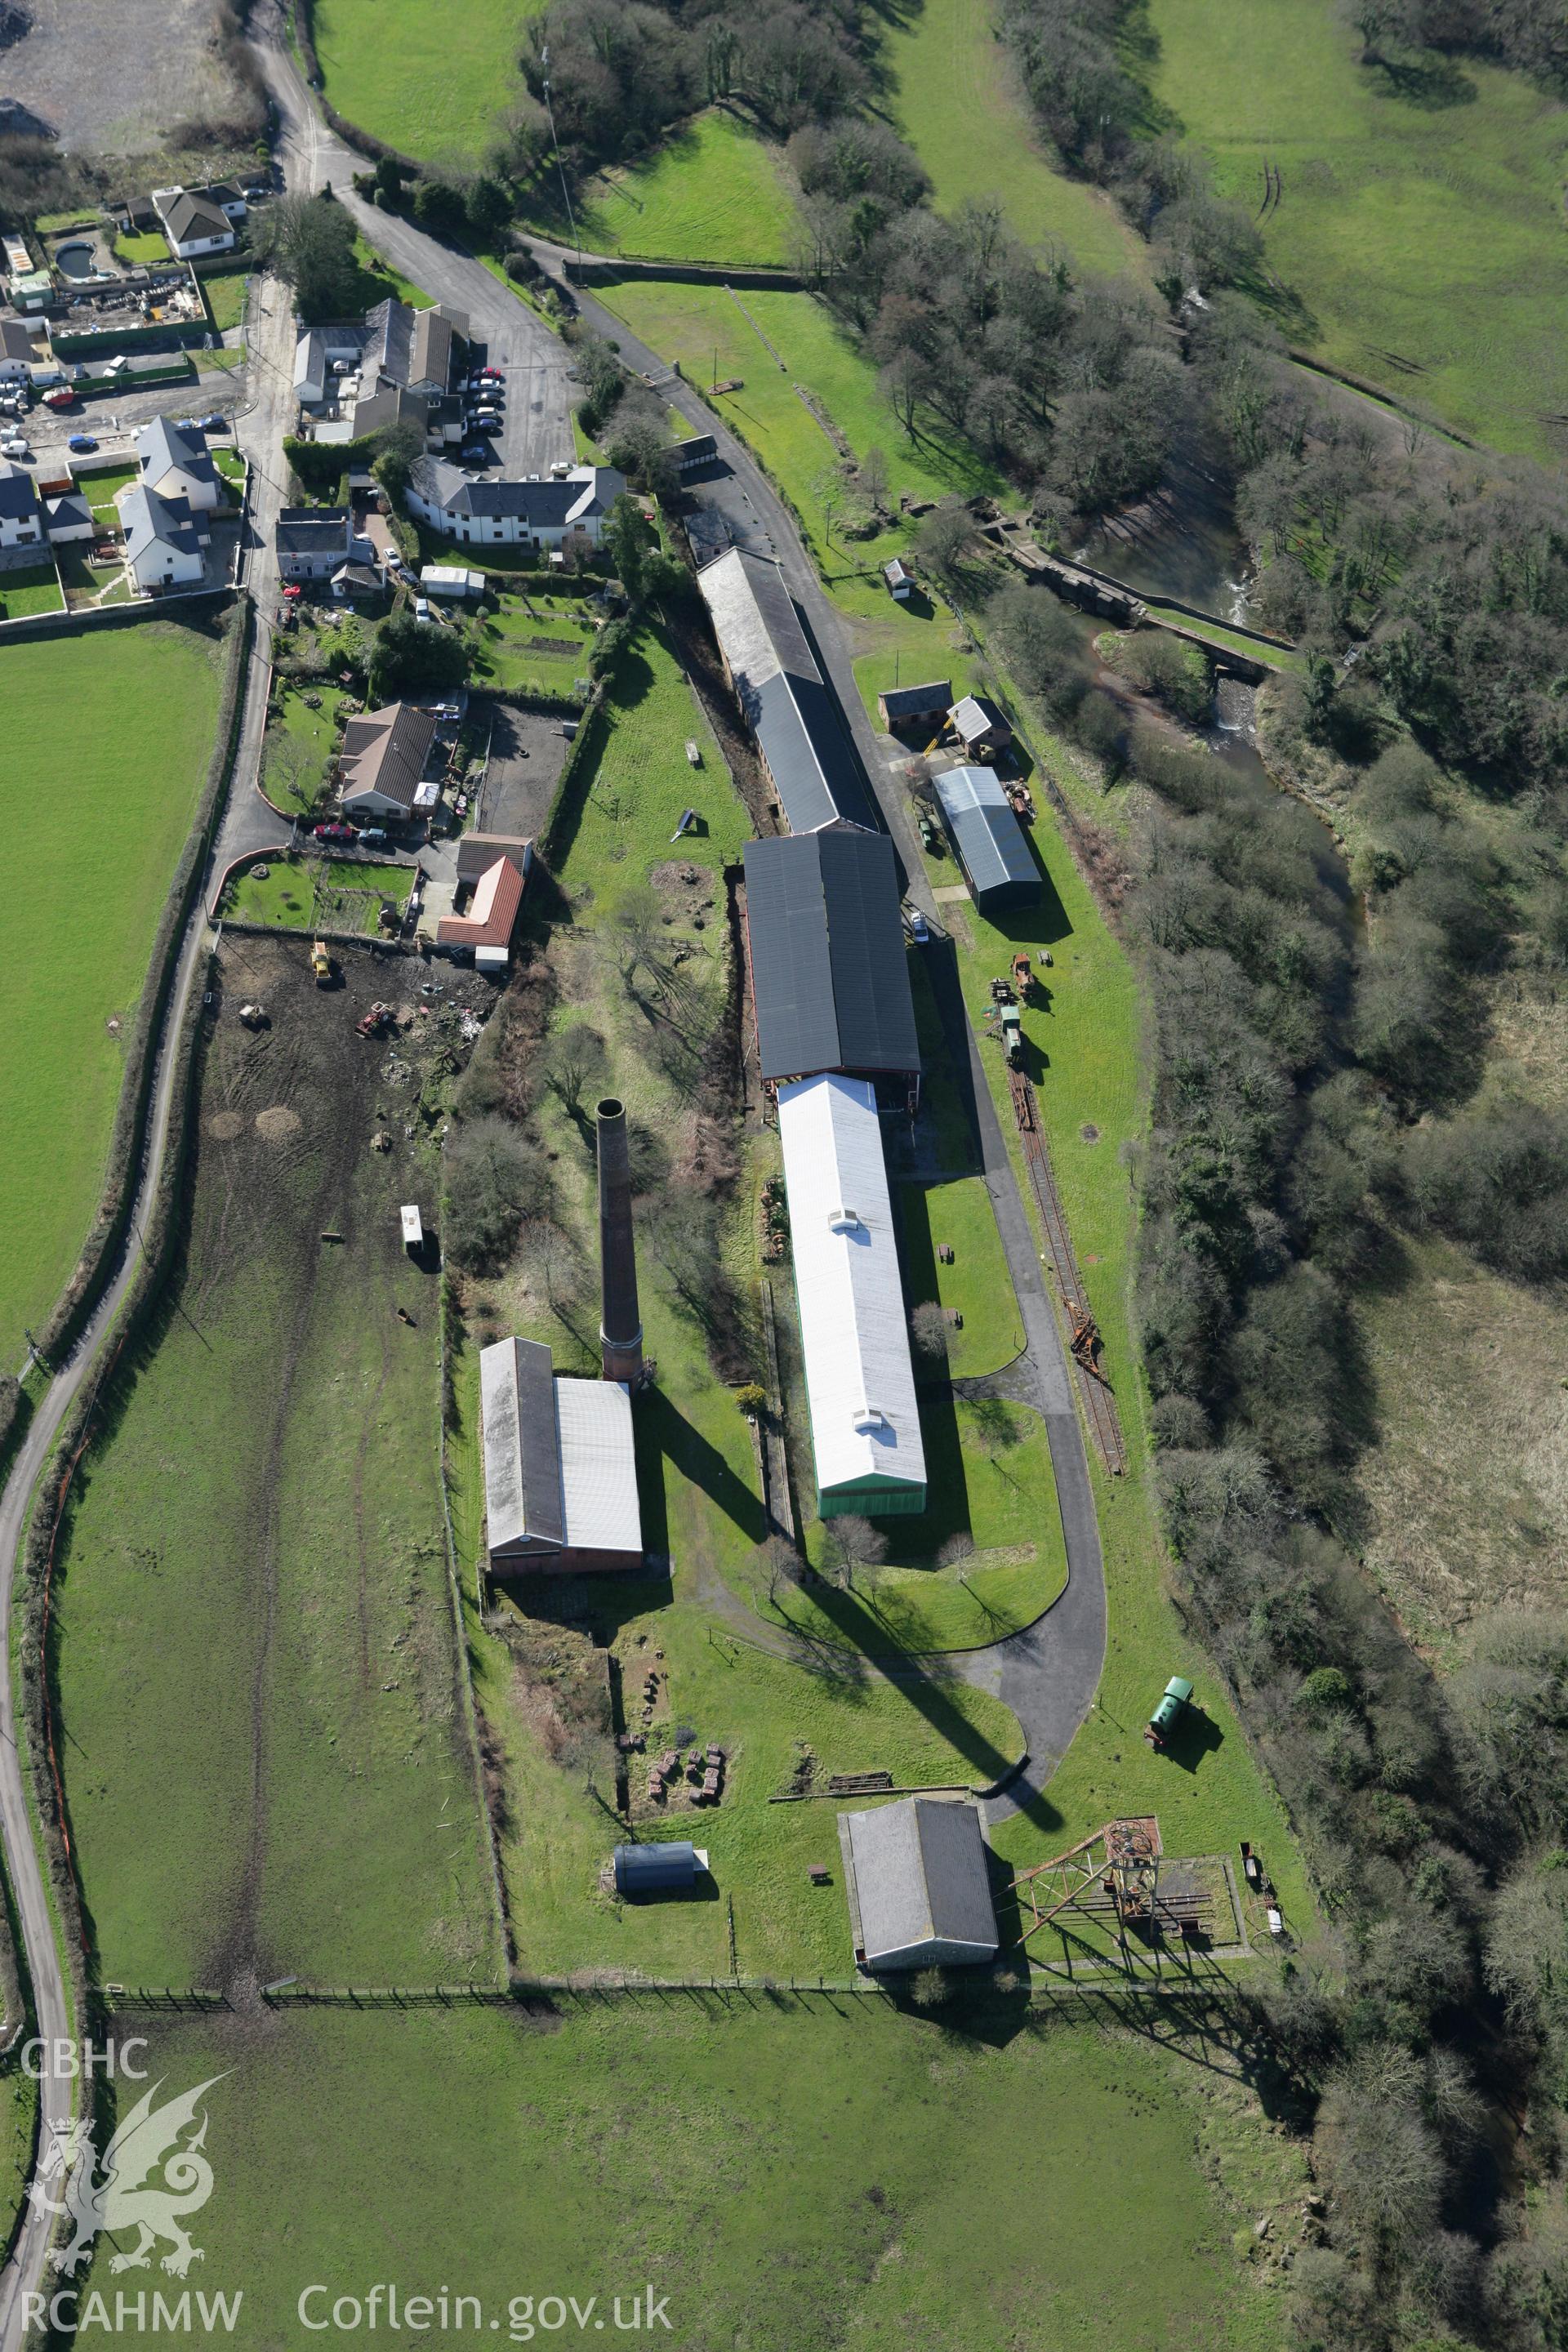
335 833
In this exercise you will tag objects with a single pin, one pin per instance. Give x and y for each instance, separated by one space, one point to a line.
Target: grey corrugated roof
976 717
987 836
645 1869
782 693
920 1877
829 967
522 1453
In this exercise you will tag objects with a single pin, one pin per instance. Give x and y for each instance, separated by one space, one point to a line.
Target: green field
704 328
957 1215
1422 233
714 192
792 2175
957 102
262 1524
429 82
111 734
30 589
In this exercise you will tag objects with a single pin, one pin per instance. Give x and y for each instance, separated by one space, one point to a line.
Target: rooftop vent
870 1416
843 1220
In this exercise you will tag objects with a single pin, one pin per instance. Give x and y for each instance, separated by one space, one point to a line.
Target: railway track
1099 1398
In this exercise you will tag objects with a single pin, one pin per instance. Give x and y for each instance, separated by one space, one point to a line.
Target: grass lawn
639 783
957 1215
262 1521
299 893
226 298
522 642
956 100
791 2175
378 279
1420 232
110 735
900 644
298 743
715 191
142 249
229 463
698 325
30 588
429 82
100 486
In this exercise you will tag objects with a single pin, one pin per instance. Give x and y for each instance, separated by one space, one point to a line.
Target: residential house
69 517
312 369
313 542
193 223
806 747
15 352
486 925
411 348
542 515
165 538
174 460
226 197
21 514
383 759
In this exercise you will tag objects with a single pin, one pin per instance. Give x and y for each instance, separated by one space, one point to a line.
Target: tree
849 1542
943 537
629 540
386 183
928 1327
398 449
782 1567
640 444
495 1180
309 242
414 657
439 207
572 1060
874 477
293 770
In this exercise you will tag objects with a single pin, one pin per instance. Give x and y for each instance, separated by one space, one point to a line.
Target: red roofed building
487 927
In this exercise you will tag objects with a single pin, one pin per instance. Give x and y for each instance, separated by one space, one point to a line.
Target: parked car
474 454
421 608
488 417
334 833
493 375
373 836
15 446
81 442
188 424
216 422
920 929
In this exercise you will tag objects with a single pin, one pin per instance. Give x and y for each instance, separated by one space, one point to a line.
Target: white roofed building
855 1337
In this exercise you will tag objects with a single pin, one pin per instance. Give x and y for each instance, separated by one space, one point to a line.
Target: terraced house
545 515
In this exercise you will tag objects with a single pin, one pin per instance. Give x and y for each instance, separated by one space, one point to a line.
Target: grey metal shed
660 1869
988 839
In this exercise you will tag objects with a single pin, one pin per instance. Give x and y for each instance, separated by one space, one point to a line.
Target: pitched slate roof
163 448
542 504
385 752
782 692
314 530
191 216
16 340
69 512
918 701
150 520
829 968
18 492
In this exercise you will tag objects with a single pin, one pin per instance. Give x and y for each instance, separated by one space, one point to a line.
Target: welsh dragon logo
119 2191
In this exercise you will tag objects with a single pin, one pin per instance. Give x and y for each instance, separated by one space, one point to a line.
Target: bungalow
486 926
532 513
175 461
923 707
69 517
15 352
193 223
21 516
383 759
164 538
980 727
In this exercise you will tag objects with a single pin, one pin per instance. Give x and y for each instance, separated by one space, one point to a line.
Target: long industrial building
561 1487
855 1337
990 841
830 979
809 759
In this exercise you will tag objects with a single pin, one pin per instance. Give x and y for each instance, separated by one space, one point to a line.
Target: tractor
321 963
